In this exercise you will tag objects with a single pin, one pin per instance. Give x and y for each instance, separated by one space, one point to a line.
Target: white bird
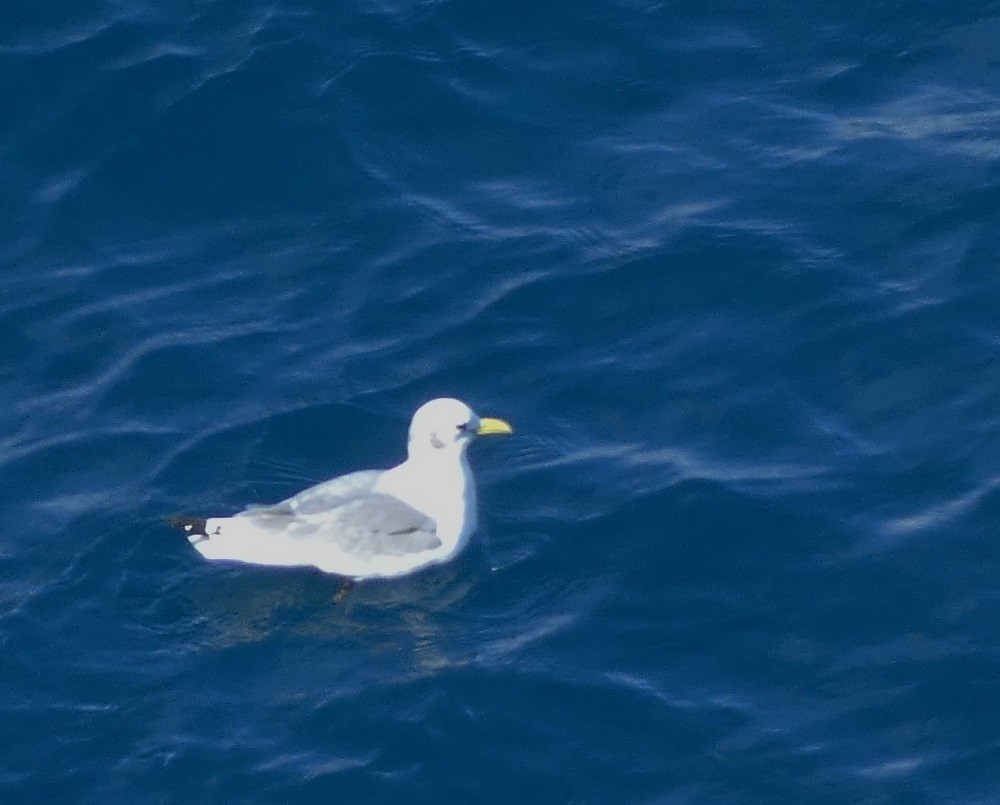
370 523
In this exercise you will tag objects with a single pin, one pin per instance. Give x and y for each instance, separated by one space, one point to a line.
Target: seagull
370 523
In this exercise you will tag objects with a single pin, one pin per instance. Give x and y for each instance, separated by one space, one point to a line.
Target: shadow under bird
371 523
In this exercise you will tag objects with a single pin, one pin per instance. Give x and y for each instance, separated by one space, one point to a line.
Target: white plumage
370 523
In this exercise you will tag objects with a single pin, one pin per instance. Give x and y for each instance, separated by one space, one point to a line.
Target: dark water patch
728 274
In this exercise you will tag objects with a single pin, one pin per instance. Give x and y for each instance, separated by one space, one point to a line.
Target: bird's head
449 424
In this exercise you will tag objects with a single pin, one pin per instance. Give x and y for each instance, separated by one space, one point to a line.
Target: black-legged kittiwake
370 523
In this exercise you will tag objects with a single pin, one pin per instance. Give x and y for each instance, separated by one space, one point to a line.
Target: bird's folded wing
363 526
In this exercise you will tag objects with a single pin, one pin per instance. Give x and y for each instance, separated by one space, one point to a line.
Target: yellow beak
488 426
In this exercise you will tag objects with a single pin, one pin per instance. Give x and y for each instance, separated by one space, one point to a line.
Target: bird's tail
192 526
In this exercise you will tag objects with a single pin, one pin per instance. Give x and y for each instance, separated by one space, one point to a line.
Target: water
730 271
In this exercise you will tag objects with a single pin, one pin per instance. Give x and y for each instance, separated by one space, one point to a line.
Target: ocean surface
731 270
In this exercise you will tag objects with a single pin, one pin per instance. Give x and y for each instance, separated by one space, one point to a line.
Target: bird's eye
463 427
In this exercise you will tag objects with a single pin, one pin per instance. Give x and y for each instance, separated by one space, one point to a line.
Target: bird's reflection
246 605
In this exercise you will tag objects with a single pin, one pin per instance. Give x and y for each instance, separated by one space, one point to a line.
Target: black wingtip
192 526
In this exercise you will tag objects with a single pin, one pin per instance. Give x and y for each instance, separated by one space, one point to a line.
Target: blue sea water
730 270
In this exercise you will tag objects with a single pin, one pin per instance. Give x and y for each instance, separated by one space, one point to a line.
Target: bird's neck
438 484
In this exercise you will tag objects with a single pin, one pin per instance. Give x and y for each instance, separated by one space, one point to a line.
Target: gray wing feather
333 493
365 525
380 525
